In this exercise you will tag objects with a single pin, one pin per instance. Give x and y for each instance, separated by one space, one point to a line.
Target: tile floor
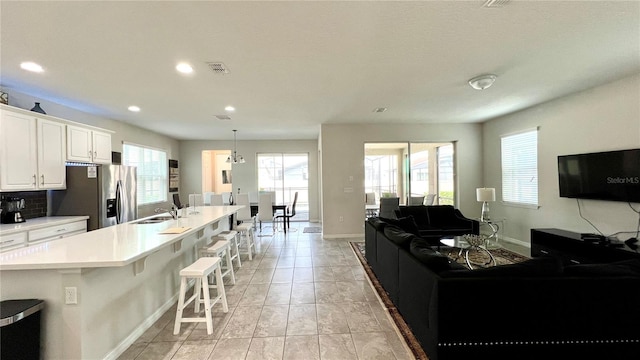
301 297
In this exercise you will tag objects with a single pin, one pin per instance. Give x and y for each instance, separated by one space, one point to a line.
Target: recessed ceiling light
230 108
482 82
134 108
31 66
184 68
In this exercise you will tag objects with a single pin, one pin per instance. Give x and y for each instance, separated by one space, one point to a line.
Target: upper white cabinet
87 145
32 152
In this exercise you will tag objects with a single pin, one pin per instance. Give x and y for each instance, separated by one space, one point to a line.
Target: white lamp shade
486 194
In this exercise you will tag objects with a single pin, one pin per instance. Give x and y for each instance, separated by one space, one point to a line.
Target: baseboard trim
342 236
516 241
137 332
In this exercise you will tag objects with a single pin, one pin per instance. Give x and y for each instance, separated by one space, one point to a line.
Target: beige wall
245 175
342 154
601 119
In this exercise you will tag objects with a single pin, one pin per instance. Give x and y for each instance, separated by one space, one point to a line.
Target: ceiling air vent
495 3
380 109
223 117
218 67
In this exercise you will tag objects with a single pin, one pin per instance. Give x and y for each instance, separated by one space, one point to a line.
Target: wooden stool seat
246 236
232 237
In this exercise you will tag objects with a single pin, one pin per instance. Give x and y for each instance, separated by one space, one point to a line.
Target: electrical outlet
341 218
70 295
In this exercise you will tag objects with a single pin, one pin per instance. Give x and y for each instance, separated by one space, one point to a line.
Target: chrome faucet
173 212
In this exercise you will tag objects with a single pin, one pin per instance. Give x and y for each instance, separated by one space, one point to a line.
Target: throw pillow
377 223
618 268
419 213
398 235
536 267
434 260
407 224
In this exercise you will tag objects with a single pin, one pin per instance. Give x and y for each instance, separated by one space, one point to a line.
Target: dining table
275 207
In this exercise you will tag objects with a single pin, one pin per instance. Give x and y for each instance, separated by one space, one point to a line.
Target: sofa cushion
442 216
407 224
419 213
540 266
377 223
398 235
620 268
422 250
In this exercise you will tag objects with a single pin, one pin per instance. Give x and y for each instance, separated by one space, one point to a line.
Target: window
152 172
520 168
286 174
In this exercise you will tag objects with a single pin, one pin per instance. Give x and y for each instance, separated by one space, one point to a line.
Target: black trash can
20 329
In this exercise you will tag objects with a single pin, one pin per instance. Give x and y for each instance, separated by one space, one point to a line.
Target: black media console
572 249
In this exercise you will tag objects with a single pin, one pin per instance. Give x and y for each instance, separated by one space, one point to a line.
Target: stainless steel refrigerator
106 193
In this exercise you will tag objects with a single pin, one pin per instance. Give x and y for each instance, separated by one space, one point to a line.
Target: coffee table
465 248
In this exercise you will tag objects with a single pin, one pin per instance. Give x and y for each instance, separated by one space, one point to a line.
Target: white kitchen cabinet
57 232
87 145
32 152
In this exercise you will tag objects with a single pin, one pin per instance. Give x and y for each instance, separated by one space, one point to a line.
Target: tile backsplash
35 202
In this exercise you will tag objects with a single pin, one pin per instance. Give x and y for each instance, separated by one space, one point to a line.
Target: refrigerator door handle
118 201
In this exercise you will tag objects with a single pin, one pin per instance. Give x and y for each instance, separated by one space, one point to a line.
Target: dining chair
290 212
176 201
388 206
216 200
244 214
195 199
415 200
265 209
207 197
430 199
370 198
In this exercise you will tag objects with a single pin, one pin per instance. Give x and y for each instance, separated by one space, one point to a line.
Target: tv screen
612 175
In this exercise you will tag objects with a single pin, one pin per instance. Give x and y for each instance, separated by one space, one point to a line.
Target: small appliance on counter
10 210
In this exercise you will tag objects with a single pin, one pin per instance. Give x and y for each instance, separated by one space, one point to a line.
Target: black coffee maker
10 207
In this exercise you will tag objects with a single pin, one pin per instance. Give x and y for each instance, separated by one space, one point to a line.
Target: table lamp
485 195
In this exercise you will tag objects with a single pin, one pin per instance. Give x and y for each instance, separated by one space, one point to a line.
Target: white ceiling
296 65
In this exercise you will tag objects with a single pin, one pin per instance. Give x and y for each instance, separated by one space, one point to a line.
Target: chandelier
234 158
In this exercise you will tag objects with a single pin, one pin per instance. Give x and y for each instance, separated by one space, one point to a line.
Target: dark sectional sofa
537 309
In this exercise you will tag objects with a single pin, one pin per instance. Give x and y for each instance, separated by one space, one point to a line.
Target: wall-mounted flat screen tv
611 175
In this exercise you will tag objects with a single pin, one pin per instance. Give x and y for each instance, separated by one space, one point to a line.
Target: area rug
502 257
405 331
312 229
480 259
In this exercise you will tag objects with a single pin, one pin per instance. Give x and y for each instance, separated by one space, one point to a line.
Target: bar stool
200 270
232 237
221 249
246 233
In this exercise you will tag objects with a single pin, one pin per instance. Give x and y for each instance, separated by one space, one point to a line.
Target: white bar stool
221 249
232 237
199 271
246 234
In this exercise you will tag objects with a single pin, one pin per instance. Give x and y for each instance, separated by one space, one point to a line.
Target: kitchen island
124 278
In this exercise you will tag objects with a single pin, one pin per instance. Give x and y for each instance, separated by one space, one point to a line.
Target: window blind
520 168
152 172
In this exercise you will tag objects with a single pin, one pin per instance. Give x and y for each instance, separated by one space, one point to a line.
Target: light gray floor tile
303 274
301 348
269 348
242 323
398 347
262 276
159 350
303 293
199 350
331 319
230 349
302 320
360 317
279 294
337 347
255 294
282 275
372 346
272 321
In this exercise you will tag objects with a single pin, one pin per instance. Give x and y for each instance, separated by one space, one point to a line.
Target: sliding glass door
286 174
411 170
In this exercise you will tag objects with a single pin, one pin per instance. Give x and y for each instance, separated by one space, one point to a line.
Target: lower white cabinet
42 234
13 241
57 232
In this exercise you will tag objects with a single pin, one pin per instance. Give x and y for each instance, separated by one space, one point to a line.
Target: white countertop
112 246
38 223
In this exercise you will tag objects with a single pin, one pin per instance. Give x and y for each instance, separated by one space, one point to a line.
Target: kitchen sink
154 220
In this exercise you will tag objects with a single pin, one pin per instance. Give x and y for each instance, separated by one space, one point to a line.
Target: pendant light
234 158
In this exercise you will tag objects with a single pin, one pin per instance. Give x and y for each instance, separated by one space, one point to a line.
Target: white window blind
152 172
520 168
